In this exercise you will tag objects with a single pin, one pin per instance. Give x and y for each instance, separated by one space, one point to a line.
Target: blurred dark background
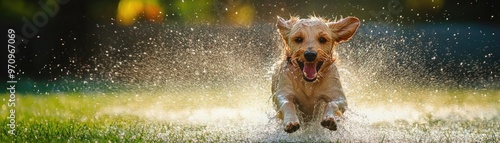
458 38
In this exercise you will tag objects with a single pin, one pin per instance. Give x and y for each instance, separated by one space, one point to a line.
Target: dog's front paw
291 127
329 123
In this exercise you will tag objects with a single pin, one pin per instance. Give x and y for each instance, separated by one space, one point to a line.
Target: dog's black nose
310 56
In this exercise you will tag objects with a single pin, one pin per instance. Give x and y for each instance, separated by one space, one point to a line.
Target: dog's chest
308 89
308 92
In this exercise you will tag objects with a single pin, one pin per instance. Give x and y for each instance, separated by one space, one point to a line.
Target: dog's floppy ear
284 26
344 28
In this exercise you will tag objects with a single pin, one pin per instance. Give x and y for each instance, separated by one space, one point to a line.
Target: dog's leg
288 113
332 111
290 117
335 102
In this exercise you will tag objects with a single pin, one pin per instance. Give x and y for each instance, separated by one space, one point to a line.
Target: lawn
231 114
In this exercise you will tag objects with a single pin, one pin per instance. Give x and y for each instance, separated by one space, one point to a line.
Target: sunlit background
415 68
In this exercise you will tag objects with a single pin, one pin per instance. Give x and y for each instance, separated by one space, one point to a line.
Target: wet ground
244 113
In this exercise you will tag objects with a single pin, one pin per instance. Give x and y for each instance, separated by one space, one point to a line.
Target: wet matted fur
306 77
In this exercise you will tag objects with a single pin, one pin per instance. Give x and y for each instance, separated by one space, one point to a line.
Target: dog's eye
298 39
322 40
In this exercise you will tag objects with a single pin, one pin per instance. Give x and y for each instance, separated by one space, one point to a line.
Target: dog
306 78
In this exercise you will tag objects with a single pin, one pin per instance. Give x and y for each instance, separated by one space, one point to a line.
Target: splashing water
219 77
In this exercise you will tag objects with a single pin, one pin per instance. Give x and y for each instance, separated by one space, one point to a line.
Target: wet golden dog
306 78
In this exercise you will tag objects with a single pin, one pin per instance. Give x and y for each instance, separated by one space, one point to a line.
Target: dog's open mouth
310 70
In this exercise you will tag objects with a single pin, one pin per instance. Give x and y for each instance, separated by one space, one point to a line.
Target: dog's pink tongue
309 70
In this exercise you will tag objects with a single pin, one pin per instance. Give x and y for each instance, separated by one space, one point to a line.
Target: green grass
129 117
114 129
70 118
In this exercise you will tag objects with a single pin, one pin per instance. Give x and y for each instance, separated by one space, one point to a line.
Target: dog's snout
310 55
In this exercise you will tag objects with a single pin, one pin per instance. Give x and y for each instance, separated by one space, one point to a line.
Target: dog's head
309 43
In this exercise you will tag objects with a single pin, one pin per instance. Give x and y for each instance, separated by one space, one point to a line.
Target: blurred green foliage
224 11
192 12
